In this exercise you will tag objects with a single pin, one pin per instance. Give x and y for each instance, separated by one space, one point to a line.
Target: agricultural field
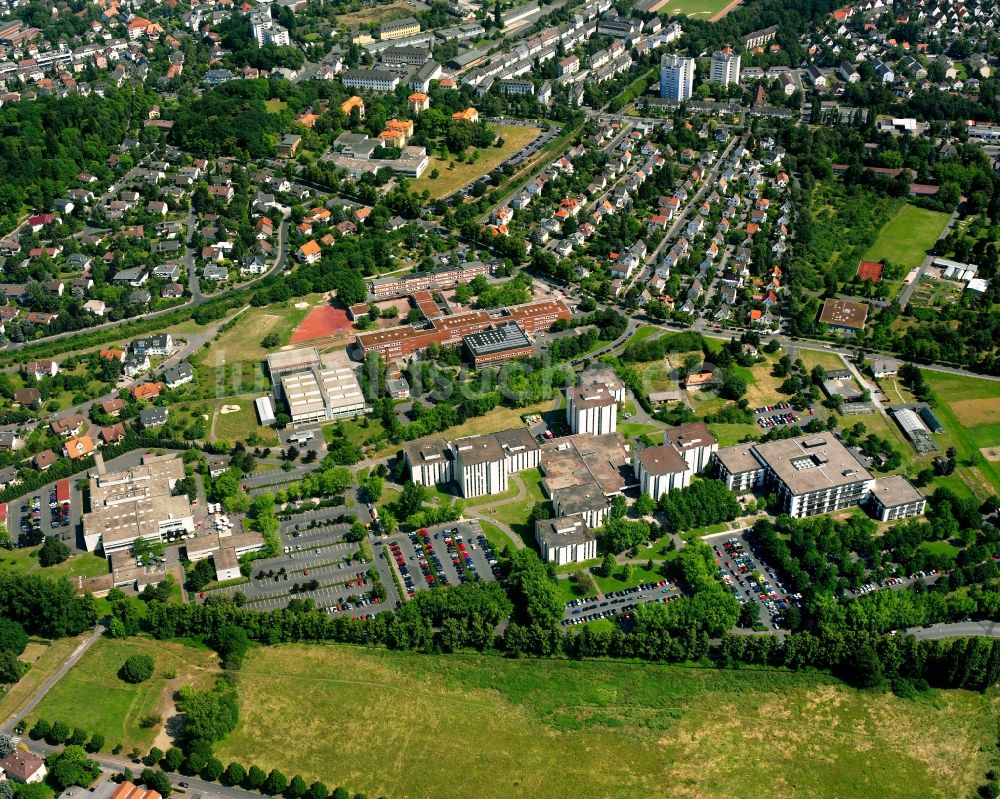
908 236
451 179
967 407
411 725
122 706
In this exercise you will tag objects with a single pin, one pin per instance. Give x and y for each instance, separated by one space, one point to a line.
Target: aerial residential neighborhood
425 398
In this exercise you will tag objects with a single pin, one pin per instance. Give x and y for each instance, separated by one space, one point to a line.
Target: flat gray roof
564 531
895 490
663 459
580 498
738 458
478 449
812 462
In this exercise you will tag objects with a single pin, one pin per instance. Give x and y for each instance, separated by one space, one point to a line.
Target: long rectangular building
403 341
446 278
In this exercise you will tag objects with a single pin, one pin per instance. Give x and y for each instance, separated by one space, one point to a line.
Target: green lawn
945 548
241 424
729 434
92 696
450 179
908 236
967 407
515 514
498 539
636 429
703 9
26 560
409 726
44 659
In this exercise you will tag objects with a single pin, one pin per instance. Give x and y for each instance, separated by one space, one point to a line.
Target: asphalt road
958 629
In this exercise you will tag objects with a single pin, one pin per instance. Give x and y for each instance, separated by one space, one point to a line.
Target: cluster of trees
655 349
58 733
13 640
704 502
621 534
47 608
137 668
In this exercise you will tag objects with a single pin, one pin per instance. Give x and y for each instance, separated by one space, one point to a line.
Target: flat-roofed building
602 377
279 363
565 540
586 500
894 497
694 443
480 466
521 451
738 468
813 474
501 343
318 394
660 470
573 460
845 316
430 461
136 503
591 410
265 411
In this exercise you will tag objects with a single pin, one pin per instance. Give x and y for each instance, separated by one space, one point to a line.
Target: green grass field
44 659
451 179
240 425
703 9
26 560
729 434
967 407
406 725
907 237
92 696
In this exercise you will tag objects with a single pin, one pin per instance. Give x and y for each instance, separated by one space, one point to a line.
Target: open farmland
408 725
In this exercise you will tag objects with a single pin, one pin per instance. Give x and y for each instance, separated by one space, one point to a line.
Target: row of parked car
617 603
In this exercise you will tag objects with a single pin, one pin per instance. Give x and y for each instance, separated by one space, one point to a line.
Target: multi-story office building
738 468
694 443
430 461
586 500
373 80
676 77
591 410
565 540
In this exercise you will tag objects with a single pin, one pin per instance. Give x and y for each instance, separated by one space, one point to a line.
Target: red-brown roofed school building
401 342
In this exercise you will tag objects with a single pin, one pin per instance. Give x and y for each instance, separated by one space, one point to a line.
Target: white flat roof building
565 540
136 503
591 410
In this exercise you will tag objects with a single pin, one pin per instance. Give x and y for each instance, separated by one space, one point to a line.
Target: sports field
908 236
703 9
411 726
450 180
322 321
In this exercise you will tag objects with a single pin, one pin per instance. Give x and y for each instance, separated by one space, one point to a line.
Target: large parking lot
316 563
36 516
448 554
750 578
618 604
782 414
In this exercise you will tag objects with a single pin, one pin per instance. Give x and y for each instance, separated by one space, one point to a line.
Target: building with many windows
565 540
399 28
676 77
694 443
480 466
894 497
430 461
137 503
373 80
810 474
660 470
725 67
591 410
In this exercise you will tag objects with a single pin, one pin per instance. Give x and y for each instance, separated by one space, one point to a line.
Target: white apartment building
591 410
725 67
676 77
694 443
894 497
373 80
586 500
480 466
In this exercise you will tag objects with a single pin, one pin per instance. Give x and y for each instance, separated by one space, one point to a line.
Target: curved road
958 629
